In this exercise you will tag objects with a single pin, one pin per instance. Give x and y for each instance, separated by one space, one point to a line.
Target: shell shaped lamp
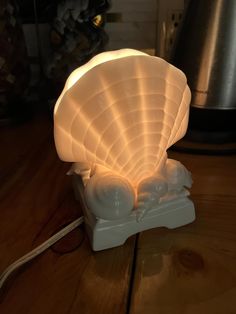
115 119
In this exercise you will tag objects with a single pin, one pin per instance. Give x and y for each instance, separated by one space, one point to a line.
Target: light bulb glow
122 110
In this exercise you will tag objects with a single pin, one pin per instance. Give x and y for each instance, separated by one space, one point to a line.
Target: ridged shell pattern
122 110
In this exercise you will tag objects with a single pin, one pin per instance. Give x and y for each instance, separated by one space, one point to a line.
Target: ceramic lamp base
173 212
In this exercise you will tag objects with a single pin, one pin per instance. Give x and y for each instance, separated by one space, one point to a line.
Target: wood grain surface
192 270
36 199
186 270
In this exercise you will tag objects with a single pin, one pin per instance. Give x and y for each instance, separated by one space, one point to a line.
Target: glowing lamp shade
122 110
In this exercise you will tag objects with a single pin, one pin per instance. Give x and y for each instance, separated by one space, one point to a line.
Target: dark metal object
206 52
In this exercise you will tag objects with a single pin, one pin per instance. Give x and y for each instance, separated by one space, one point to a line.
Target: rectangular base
105 234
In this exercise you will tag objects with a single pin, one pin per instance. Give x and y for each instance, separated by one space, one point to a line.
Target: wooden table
186 271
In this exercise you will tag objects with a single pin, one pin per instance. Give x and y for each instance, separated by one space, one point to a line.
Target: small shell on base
177 176
150 190
109 196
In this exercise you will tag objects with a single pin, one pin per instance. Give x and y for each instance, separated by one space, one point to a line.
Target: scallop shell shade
122 110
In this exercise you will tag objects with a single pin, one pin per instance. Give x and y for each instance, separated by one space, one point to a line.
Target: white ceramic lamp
115 119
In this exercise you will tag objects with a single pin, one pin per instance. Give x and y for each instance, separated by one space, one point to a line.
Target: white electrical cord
39 249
